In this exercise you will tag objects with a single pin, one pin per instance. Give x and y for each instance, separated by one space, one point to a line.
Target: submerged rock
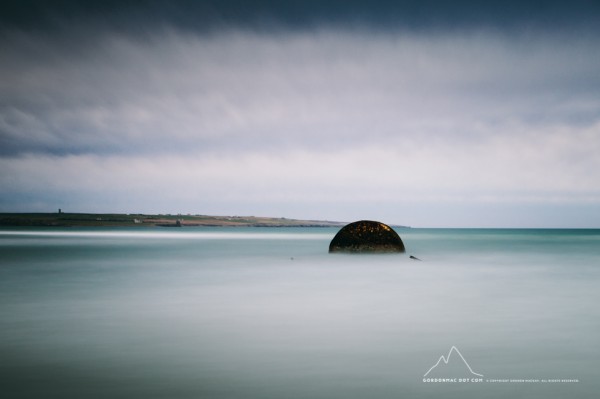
366 236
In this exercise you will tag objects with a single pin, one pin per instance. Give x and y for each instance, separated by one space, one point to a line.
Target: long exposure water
269 313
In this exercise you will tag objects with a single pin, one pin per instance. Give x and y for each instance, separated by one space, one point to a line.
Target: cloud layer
242 121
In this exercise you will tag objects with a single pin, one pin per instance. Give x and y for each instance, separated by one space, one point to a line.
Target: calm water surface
268 313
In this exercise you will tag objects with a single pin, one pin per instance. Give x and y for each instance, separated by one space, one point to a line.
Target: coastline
147 220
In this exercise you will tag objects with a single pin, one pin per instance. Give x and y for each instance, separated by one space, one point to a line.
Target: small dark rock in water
414 257
366 236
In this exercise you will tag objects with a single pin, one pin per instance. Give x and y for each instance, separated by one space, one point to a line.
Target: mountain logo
455 365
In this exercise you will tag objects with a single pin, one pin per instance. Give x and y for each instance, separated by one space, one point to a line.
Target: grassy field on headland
117 220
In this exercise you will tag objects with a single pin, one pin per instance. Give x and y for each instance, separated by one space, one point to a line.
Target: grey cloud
235 119
240 90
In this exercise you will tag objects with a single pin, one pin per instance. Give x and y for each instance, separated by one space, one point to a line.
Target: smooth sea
268 313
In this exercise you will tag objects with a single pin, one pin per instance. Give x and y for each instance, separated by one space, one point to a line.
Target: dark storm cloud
209 14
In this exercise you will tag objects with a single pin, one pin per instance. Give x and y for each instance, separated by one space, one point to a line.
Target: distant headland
62 219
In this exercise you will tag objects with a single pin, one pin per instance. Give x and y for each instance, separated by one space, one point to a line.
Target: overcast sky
428 114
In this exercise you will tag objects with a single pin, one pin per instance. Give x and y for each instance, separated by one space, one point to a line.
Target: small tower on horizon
59 210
